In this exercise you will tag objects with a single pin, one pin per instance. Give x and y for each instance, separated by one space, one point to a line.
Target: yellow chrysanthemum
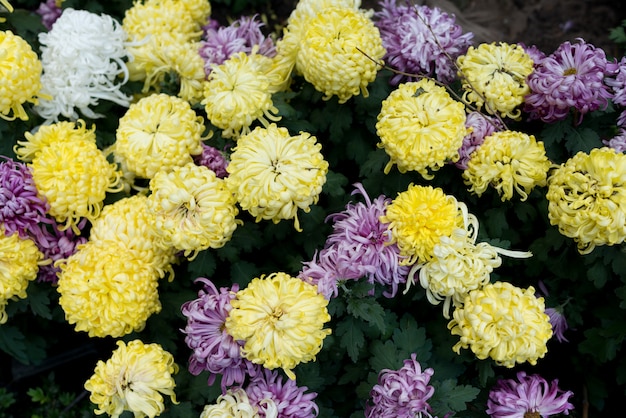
199 10
152 17
70 171
19 263
134 379
418 218
20 75
194 209
338 52
494 76
508 161
239 92
159 132
281 320
421 127
107 290
129 222
233 403
186 62
587 198
273 174
503 322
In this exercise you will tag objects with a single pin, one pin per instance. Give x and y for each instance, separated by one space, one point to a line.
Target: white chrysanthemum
83 57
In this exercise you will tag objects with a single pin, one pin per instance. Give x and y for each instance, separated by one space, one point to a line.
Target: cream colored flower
339 52
509 162
134 379
281 319
503 322
193 208
234 403
494 76
159 132
587 198
273 174
421 127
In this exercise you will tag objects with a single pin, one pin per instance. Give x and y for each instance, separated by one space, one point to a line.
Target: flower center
532 414
276 314
570 71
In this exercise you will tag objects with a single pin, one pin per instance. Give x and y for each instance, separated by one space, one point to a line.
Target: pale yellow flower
273 174
134 379
494 76
107 290
418 217
129 222
194 209
152 17
71 172
503 322
281 320
20 75
232 404
339 52
19 264
587 198
159 132
239 92
508 161
421 127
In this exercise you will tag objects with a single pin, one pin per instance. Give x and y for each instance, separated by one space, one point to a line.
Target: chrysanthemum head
274 174
527 396
418 217
159 132
281 320
494 77
479 126
340 52
508 161
587 198
503 322
20 76
420 127
233 403
135 378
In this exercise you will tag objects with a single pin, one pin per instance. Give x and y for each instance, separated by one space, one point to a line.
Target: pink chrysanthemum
479 127
571 78
527 396
440 40
22 209
213 159
214 350
402 393
280 399
219 43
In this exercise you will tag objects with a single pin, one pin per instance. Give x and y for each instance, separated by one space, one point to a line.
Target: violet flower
558 322
618 142
420 40
527 396
268 390
213 159
479 127
49 12
571 78
214 350
244 34
22 209
56 245
402 393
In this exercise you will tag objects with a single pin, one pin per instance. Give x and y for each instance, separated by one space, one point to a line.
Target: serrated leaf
385 356
409 338
374 163
242 272
335 182
449 396
340 117
351 337
598 273
39 301
496 221
369 310
13 342
203 265
584 140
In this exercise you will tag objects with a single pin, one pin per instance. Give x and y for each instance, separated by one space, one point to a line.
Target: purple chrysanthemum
420 40
571 78
534 52
213 159
244 34
618 142
558 322
402 393
268 390
359 246
21 207
479 126
214 350
527 395
617 82
56 245
49 12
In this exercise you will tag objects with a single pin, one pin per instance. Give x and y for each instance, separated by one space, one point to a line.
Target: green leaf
369 310
39 301
37 395
385 356
449 396
409 338
340 117
14 343
242 272
374 163
496 222
598 273
581 140
203 265
352 337
335 182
